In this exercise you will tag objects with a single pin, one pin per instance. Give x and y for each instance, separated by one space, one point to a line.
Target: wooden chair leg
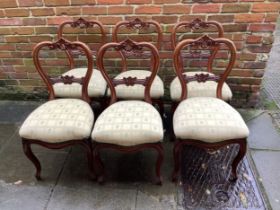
241 153
99 164
159 149
176 156
88 148
30 155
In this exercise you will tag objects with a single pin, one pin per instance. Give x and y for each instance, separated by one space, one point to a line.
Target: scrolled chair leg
88 147
176 156
240 155
159 162
30 155
99 164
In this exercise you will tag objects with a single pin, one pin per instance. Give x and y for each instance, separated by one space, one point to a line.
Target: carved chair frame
83 23
139 24
195 25
132 47
205 42
64 45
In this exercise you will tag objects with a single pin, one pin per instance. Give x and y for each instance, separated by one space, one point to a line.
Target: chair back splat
129 47
126 28
203 43
197 25
66 46
82 24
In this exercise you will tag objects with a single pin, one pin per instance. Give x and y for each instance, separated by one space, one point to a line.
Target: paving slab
6 133
267 163
65 198
263 134
249 114
16 111
18 187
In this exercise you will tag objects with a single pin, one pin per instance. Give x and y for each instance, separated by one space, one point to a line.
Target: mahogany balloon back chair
195 89
129 125
97 84
139 30
60 122
206 122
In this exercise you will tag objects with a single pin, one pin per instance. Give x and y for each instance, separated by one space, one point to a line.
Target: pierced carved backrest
66 46
138 25
197 25
129 47
136 30
193 45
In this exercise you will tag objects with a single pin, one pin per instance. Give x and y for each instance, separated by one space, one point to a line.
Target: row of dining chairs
205 121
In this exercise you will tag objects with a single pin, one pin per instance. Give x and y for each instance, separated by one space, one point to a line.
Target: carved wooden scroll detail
130 81
137 24
202 77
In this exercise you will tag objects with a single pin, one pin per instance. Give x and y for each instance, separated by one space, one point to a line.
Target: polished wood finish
66 46
131 47
138 24
130 149
204 42
128 47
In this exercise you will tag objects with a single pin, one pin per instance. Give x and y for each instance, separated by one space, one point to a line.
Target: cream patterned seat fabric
209 120
128 123
96 88
59 120
137 91
196 89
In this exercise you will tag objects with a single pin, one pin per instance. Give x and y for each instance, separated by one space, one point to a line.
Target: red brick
17 39
5 31
266 7
166 19
249 18
167 1
109 1
206 8
148 10
254 65
8 3
42 12
109 20
37 39
252 39
17 12
83 2
12 61
46 30
30 3
9 47
94 10
34 21
2 14
176 9
22 30
222 18
261 27
120 10
58 20
235 27
56 2
271 17
11 22
68 11
139 1
235 8
259 49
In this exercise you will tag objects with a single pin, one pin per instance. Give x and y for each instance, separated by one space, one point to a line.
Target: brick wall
249 23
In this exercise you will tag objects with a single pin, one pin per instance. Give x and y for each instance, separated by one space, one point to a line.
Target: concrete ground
129 186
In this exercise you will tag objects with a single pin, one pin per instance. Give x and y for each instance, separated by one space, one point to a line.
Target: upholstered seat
96 87
128 123
137 91
208 119
58 121
198 89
